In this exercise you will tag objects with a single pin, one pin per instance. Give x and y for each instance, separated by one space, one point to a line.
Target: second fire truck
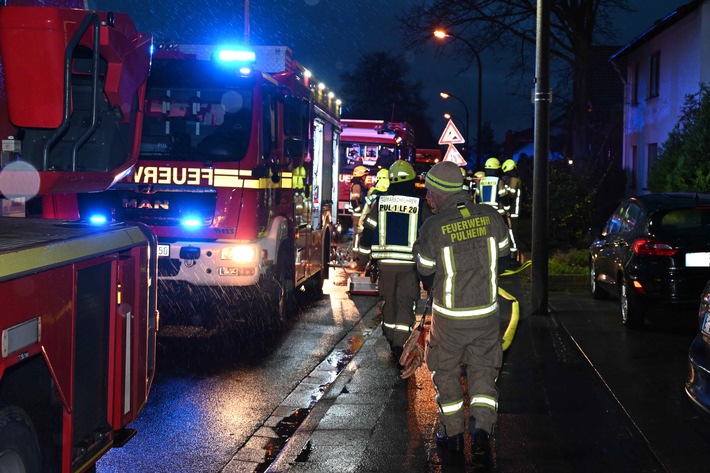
375 144
235 176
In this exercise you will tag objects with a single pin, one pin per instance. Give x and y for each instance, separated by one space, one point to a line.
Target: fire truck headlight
240 254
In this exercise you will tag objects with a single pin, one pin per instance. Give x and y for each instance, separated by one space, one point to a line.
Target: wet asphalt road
646 371
210 396
209 400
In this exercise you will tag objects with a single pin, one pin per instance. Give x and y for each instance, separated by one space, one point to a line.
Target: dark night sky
329 37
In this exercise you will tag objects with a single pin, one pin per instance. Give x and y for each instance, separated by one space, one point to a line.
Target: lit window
655 77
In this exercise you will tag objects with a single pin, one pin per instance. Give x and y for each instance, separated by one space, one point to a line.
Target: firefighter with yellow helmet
511 201
491 187
390 230
382 183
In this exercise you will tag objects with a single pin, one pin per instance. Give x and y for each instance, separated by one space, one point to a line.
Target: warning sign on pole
451 135
453 155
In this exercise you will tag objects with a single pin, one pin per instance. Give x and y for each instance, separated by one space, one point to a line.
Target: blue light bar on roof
233 55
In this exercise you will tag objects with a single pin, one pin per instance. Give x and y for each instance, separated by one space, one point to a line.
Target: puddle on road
285 429
340 358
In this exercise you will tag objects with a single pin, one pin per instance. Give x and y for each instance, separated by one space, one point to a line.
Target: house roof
658 27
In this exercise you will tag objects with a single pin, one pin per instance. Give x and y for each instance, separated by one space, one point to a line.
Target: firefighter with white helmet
390 230
460 252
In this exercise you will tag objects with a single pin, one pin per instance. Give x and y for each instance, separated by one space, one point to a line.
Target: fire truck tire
281 301
19 448
327 250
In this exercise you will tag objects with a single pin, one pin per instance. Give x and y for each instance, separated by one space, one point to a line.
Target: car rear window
686 221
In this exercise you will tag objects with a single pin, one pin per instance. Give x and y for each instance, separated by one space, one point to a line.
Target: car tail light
648 247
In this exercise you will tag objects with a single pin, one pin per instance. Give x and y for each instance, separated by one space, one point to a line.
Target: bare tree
575 26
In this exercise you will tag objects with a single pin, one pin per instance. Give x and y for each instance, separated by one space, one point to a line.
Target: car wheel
631 314
597 292
19 448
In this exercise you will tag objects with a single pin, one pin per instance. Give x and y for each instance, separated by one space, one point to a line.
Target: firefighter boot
450 449
481 448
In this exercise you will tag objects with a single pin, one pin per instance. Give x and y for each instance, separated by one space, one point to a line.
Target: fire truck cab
235 177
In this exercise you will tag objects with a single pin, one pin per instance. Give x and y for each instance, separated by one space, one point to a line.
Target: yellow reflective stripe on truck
232 178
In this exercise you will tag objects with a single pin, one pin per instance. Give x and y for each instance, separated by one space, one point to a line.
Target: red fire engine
375 144
424 161
78 320
235 177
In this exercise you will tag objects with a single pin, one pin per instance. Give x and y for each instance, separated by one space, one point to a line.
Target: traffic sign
452 154
451 135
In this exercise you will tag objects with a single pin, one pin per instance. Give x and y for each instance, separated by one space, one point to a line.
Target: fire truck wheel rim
19 450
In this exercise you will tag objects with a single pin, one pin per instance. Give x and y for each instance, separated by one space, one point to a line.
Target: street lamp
448 116
446 95
441 34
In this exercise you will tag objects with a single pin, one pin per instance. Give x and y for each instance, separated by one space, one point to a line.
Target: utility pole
543 96
247 31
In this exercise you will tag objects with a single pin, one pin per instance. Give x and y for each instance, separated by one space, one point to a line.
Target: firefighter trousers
475 343
398 286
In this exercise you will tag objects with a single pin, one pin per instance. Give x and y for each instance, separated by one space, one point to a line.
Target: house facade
659 69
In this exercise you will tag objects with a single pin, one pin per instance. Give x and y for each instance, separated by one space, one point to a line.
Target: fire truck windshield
197 125
371 155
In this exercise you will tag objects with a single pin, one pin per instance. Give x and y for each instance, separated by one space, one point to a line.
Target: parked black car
698 385
654 251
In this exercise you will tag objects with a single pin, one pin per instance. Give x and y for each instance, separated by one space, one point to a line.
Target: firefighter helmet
383 180
359 171
479 175
402 171
508 165
492 163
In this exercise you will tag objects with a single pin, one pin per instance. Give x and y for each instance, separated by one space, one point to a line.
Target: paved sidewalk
555 414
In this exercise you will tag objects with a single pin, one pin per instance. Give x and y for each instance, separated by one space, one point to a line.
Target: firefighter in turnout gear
511 201
461 250
491 187
358 192
382 183
391 228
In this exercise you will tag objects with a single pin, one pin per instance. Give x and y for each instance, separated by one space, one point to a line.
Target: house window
634 166
651 158
635 85
654 79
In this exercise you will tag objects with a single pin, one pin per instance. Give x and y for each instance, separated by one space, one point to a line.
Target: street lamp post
441 34
446 95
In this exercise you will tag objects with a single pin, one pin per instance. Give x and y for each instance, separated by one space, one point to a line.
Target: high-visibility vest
489 192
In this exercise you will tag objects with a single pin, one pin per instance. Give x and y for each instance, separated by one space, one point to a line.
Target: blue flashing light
98 219
233 55
191 222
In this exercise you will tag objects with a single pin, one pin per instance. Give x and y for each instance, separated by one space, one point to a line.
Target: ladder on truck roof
77 107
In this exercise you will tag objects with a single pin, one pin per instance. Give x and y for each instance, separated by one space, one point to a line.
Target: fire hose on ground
413 350
515 311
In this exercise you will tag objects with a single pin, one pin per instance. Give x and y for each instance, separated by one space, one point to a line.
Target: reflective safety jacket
461 244
391 228
358 191
491 189
511 202
372 195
